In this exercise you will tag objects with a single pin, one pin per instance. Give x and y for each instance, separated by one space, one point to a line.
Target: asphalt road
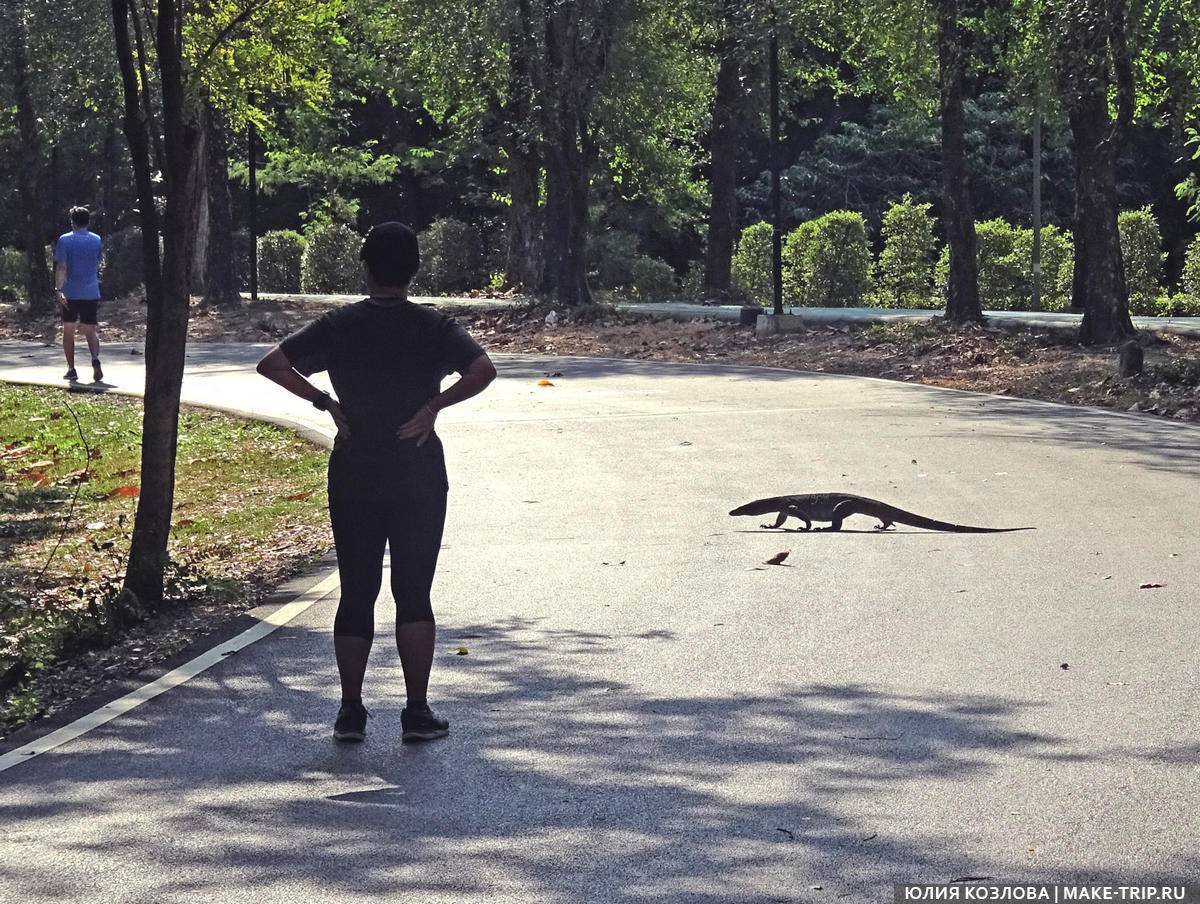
649 714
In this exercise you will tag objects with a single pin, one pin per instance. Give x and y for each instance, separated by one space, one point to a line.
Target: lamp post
251 148
776 204
1036 255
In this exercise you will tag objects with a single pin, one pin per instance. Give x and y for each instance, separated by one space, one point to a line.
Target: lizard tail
900 516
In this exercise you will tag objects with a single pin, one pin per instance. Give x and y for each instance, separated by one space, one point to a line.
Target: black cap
391 254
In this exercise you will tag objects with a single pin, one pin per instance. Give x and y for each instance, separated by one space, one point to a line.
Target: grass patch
250 508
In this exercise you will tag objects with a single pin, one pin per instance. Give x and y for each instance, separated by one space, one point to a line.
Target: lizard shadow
815 532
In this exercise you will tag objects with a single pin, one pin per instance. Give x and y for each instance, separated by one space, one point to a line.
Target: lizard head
757 507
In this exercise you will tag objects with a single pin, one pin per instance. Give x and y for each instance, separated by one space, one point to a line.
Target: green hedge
330 263
12 274
1190 283
904 276
616 263
453 258
124 268
280 258
827 261
1142 254
751 272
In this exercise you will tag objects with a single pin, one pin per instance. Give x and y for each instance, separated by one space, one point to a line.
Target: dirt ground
1030 364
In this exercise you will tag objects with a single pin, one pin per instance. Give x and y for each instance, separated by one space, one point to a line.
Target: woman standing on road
386 358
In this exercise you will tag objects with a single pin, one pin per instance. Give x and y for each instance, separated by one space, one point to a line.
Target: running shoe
351 724
70 376
97 373
420 724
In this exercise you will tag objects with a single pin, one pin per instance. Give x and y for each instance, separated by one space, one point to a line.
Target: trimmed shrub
12 274
751 272
1142 254
280 255
691 286
1004 279
1005 254
1190 283
904 277
616 263
1178 305
453 258
827 261
123 270
1058 261
797 263
330 264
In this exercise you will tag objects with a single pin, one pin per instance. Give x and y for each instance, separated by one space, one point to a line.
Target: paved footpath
648 714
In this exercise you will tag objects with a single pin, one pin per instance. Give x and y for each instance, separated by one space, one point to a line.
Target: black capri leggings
400 502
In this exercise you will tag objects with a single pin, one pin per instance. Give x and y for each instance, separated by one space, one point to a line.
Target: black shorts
84 311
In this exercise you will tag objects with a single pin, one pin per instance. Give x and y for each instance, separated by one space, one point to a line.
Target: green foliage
904 277
123 270
280 256
827 261
330 263
1142 254
1058 260
1005 260
1190 283
1003 275
751 271
618 264
12 274
1178 305
452 258
691 285
236 49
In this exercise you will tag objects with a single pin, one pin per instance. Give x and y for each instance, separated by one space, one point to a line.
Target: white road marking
171 679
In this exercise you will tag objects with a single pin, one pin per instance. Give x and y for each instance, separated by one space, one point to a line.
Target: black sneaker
97 373
351 724
420 724
70 376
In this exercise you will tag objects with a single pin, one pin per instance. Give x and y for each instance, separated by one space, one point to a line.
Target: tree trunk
564 241
725 146
221 285
1098 280
166 294
522 265
199 208
962 301
38 283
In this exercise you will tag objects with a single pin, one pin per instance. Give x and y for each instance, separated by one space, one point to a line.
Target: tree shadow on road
561 782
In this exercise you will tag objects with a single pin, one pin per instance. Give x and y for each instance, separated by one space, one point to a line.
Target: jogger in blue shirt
77 280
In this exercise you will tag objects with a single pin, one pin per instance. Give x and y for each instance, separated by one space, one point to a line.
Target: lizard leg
840 513
883 525
801 515
783 516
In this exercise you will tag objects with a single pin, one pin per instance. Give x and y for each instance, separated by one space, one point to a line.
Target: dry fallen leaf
1151 585
297 497
778 558
128 490
544 383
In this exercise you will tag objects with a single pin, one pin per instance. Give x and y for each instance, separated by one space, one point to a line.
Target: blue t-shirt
80 251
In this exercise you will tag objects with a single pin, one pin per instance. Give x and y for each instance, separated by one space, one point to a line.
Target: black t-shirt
384 360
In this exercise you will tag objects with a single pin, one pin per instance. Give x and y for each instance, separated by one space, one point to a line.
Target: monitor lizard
837 507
